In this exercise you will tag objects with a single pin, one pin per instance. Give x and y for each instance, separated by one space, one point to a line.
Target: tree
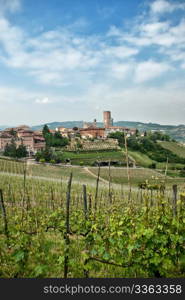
137 132
119 136
45 130
21 151
10 149
54 140
13 132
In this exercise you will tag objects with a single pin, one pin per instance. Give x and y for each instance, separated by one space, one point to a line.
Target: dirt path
94 175
51 179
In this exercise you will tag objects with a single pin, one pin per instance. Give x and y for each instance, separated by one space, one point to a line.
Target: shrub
52 161
42 160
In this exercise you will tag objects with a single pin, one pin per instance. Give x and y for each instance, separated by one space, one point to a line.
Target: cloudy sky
71 59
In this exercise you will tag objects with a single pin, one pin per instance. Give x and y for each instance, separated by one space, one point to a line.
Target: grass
141 158
47 171
144 161
119 175
89 158
176 148
58 172
171 166
80 174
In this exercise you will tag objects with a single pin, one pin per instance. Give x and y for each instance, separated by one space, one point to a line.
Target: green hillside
176 148
90 157
141 159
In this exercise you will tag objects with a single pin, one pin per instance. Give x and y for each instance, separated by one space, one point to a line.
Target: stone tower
107 121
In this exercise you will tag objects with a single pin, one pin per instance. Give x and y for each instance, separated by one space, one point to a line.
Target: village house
32 140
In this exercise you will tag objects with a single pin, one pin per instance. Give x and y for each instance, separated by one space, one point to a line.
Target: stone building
92 132
34 141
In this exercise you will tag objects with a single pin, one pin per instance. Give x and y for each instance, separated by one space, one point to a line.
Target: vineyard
68 229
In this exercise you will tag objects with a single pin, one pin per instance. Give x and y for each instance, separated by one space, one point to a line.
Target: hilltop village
93 145
89 137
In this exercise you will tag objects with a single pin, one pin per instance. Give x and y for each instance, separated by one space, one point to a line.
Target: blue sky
71 59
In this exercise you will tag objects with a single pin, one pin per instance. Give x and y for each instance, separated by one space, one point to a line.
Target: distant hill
2 127
177 132
66 124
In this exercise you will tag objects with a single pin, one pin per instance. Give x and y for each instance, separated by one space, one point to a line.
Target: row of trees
148 144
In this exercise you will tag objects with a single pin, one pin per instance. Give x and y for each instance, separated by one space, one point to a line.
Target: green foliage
21 151
119 239
149 146
175 147
182 172
54 140
52 161
49 155
119 136
42 160
13 132
12 150
45 131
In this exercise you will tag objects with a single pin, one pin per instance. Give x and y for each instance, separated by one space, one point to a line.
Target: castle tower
94 123
107 121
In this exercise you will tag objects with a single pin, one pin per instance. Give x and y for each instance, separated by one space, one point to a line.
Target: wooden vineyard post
90 203
66 234
3 209
128 169
174 200
97 185
166 170
85 200
28 202
141 196
110 194
24 172
151 199
122 194
24 185
52 199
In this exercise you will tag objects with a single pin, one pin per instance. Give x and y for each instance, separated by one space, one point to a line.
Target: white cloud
154 28
120 51
59 57
148 70
10 6
44 100
94 71
154 33
121 71
163 6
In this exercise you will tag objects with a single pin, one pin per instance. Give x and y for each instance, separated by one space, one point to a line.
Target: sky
66 60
